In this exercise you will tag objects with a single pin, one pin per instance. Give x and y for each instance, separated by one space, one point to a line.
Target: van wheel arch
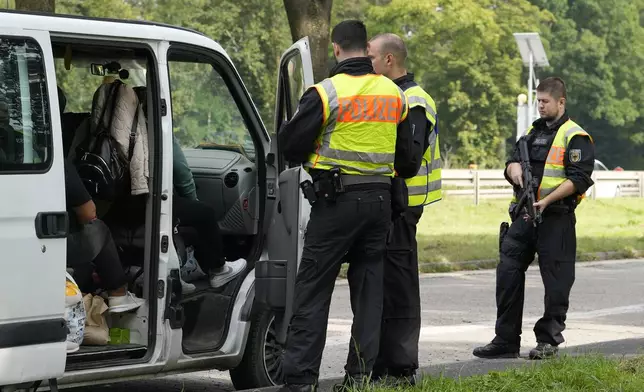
262 360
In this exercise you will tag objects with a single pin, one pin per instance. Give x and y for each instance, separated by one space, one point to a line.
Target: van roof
60 24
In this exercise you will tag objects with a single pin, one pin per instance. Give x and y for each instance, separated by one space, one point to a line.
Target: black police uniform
401 316
554 240
357 223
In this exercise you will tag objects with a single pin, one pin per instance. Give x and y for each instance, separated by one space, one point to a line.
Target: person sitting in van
191 212
90 246
200 216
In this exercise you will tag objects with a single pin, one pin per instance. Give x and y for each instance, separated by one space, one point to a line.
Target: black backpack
104 170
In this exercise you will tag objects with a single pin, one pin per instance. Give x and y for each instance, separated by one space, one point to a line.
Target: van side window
25 124
204 112
295 82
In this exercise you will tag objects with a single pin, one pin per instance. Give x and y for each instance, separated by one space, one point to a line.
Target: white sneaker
72 347
187 288
125 303
230 271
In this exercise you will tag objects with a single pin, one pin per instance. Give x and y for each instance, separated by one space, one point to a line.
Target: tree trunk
36 5
312 18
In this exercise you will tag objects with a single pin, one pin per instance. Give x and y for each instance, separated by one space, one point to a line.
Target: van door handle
52 224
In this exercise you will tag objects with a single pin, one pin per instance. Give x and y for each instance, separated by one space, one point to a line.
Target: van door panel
291 210
33 220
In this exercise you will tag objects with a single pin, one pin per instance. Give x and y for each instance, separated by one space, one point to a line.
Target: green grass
566 374
454 234
455 230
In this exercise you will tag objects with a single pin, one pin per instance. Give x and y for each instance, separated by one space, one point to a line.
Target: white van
238 171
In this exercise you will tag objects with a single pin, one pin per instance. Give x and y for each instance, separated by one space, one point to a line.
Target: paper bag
97 333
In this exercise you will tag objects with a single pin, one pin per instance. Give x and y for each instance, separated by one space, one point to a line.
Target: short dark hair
350 35
554 86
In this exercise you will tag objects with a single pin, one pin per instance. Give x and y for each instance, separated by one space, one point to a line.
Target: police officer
400 330
351 133
562 158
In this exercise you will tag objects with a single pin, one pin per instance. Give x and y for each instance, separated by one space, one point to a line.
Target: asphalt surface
606 315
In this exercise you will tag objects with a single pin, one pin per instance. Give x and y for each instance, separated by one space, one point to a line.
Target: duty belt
348 179
330 184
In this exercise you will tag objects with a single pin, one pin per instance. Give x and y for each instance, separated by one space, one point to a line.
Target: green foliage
462 52
253 32
597 46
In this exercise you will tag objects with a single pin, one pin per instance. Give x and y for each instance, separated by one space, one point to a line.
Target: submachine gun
527 198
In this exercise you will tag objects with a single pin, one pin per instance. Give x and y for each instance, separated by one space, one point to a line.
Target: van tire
252 370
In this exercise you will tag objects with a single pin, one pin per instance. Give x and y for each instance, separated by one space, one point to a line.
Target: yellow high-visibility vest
425 187
361 117
554 173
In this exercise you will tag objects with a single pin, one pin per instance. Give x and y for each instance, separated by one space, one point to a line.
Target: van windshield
205 114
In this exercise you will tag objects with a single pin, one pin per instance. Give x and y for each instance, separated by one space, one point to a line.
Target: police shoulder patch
575 155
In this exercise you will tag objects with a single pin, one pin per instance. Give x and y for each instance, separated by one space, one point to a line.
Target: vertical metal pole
520 120
530 78
536 103
477 187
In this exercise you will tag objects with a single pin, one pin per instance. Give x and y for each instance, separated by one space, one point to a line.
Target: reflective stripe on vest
426 187
361 117
554 173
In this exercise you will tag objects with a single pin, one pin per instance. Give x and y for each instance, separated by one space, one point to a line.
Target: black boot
353 383
496 350
401 378
544 351
297 388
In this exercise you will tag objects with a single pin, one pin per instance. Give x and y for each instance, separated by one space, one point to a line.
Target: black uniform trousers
357 223
401 316
554 240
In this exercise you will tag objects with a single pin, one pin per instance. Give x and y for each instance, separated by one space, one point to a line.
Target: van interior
80 70
226 159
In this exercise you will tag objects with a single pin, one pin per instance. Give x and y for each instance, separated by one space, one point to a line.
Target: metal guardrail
484 184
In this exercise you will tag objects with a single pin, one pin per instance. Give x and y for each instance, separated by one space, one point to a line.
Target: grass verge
565 374
455 234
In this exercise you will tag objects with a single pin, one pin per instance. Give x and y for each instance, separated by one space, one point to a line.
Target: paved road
606 314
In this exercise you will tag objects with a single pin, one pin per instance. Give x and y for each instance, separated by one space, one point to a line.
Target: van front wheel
261 365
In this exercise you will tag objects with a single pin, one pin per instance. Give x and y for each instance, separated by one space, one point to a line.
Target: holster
329 185
309 191
399 196
505 226
324 189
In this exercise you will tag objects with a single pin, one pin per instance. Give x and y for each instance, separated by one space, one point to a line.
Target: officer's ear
389 59
562 102
336 49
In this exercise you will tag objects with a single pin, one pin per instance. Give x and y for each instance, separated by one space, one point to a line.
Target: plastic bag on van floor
97 333
74 314
190 270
